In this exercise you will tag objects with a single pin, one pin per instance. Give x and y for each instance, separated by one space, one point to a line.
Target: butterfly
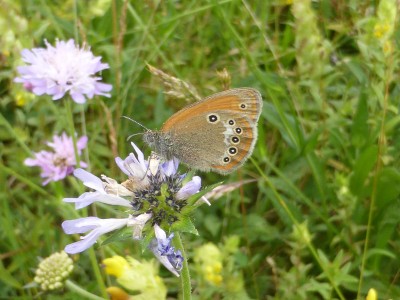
217 133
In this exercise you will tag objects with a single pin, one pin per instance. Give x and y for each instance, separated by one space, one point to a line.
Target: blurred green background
321 220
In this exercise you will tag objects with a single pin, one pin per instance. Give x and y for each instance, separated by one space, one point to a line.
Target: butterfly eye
243 106
238 130
212 118
235 140
231 122
232 151
226 159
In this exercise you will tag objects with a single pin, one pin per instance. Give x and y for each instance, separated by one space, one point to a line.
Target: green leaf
241 259
357 71
392 124
359 129
185 224
7 278
144 243
387 220
285 123
213 224
312 141
318 170
388 188
363 166
119 235
381 252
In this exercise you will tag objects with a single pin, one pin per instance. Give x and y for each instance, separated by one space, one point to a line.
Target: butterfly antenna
129 137
136 122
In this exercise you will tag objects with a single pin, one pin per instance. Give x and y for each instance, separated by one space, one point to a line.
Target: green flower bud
53 270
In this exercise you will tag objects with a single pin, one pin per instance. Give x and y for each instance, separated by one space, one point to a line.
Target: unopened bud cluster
53 270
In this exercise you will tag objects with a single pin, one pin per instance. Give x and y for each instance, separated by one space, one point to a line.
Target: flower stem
97 273
185 274
378 167
84 133
71 128
78 290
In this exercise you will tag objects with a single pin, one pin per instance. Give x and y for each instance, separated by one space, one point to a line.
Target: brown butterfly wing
222 146
230 100
197 144
248 138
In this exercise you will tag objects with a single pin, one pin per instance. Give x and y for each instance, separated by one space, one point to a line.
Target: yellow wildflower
136 276
115 265
388 47
372 295
117 293
208 259
381 29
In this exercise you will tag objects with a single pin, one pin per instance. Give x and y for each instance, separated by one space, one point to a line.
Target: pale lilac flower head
153 195
60 162
64 68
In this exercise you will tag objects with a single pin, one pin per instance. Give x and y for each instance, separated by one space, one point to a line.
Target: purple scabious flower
60 162
155 194
64 68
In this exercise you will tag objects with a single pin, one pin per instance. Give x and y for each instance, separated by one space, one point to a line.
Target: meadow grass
321 219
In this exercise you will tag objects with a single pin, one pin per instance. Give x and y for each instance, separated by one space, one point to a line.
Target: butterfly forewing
230 100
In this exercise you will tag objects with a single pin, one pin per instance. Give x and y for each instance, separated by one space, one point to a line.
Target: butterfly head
151 137
159 142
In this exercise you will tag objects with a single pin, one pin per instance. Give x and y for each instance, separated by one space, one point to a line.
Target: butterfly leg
154 162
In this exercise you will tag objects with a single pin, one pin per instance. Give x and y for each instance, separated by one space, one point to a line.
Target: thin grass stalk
71 129
97 273
378 167
119 45
84 133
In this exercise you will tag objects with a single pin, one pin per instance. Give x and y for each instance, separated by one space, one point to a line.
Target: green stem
378 167
97 273
92 255
185 274
82 292
71 128
84 133
95 265
76 21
